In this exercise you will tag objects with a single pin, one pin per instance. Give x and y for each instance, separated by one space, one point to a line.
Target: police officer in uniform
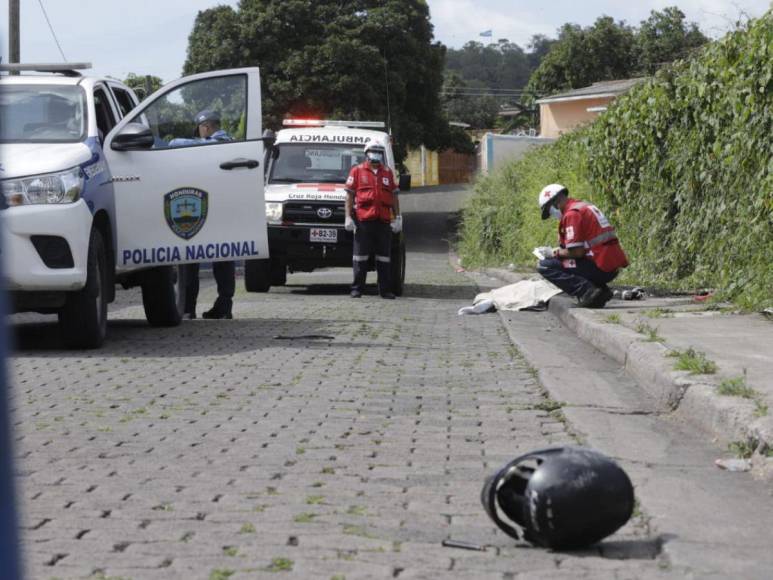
208 130
589 255
373 214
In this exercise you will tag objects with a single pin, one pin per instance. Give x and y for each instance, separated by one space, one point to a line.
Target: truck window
42 114
315 163
105 117
171 118
125 102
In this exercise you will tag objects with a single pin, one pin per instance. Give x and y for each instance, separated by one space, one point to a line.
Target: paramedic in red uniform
371 194
589 255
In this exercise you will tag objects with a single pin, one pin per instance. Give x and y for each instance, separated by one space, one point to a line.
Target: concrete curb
690 398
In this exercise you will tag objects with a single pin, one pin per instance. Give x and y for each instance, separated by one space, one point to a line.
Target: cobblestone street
313 436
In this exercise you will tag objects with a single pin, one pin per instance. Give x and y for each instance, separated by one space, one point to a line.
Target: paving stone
215 446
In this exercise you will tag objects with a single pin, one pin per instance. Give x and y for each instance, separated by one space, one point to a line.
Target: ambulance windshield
313 163
42 114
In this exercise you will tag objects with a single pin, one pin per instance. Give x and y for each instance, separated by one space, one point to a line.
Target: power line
51 28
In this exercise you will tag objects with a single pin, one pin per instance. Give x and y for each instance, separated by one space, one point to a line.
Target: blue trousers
576 280
225 277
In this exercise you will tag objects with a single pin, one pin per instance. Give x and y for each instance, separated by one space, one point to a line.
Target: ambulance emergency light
331 123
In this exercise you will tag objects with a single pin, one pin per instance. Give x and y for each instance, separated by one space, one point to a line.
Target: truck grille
311 213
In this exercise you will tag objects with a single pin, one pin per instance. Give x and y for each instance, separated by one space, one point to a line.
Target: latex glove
397 224
544 252
349 225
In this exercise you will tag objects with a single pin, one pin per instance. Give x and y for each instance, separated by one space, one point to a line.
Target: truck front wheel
83 319
163 295
257 275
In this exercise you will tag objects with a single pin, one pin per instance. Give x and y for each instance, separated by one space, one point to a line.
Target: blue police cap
206 115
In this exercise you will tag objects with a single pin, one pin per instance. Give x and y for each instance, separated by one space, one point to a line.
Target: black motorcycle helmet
560 498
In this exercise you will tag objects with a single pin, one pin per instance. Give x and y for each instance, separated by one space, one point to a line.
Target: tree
480 112
665 37
339 58
138 83
503 65
582 56
611 50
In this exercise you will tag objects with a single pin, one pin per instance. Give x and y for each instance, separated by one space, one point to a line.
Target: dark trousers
372 237
576 280
225 277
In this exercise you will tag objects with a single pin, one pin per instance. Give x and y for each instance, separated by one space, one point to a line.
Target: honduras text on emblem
186 211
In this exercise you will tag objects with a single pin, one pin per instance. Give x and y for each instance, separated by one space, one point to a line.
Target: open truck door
182 199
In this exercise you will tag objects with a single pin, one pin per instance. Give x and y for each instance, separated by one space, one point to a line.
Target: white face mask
555 212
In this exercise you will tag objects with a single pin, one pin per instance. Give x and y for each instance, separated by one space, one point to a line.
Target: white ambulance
306 169
96 193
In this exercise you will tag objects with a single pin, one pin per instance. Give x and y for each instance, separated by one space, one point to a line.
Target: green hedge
682 165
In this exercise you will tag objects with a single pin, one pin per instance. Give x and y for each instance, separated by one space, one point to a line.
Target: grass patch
693 362
315 499
612 319
221 574
736 387
280 565
650 333
247 529
659 313
352 530
743 449
304 518
230 550
357 510
548 405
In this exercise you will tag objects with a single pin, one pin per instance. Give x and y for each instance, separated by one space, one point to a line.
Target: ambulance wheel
83 319
398 268
278 272
257 275
163 295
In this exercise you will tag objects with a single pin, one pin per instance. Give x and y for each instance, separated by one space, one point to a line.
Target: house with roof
564 112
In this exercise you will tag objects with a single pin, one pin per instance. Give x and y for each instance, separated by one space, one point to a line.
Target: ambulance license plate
325 235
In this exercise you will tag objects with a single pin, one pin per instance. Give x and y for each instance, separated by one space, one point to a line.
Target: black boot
220 310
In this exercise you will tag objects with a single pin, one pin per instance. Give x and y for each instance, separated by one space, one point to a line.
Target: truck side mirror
269 138
132 137
405 182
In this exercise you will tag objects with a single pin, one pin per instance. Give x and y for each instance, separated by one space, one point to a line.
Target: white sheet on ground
525 294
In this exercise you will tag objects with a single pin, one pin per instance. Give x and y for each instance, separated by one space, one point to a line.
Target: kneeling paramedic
589 255
372 193
208 130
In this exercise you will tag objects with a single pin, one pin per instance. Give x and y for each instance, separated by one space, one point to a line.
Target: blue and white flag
486 33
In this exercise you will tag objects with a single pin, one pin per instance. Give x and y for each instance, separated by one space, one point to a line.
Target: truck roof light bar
69 69
332 123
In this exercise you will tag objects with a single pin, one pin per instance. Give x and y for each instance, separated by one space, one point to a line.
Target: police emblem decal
185 210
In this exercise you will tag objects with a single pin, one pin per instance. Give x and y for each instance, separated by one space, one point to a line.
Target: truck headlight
61 187
273 212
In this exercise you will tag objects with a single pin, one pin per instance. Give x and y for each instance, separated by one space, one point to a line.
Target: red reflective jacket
583 225
373 192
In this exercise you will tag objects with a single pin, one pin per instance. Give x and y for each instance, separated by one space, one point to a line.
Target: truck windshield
42 114
313 163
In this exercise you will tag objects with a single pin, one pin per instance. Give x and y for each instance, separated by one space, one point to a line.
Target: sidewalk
650 337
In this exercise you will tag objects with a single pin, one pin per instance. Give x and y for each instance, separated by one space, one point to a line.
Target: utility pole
13 31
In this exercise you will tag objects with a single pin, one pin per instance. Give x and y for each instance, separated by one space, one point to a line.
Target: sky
151 36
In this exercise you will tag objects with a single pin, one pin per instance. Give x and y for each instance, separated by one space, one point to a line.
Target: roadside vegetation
683 166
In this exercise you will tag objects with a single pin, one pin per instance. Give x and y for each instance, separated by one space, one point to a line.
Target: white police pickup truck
306 169
94 195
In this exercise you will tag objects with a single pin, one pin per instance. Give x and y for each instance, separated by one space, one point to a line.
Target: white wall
495 150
